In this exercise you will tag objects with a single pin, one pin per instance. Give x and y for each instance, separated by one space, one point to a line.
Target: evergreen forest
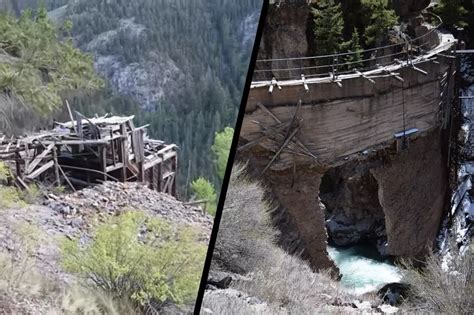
201 50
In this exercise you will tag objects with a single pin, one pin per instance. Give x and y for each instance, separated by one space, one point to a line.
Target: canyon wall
329 154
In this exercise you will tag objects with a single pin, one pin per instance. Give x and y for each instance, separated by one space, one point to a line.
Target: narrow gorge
353 158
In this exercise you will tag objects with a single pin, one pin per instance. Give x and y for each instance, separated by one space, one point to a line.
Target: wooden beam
153 162
114 167
56 167
38 159
103 155
365 77
40 170
71 116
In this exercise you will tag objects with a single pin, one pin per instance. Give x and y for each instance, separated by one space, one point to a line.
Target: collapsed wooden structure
85 151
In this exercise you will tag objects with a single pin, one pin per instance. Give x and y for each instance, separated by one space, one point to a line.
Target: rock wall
299 214
358 186
412 191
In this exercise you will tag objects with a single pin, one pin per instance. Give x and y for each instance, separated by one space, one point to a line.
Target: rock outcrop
412 192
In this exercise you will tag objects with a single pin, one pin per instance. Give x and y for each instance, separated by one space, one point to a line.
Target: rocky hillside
251 274
35 228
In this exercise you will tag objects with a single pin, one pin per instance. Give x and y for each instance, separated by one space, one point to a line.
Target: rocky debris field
79 210
74 216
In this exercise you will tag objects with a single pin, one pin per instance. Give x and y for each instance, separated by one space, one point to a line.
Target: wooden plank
168 174
76 142
40 170
39 158
114 167
153 162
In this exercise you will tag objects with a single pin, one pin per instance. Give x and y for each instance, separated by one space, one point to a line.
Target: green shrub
4 173
10 197
221 148
145 259
204 190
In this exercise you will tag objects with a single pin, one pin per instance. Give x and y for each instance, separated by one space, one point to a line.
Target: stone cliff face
412 192
360 188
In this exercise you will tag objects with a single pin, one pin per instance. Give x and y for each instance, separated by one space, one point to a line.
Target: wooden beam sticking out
365 77
260 105
272 85
305 85
396 76
419 70
335 80
71 116
447 56
287 140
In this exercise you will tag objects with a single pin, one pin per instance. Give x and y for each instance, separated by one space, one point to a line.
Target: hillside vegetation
36 66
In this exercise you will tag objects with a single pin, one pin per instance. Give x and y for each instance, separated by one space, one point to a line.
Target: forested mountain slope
179 66
183 63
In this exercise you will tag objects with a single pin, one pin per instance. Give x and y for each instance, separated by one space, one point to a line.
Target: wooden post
18 165
175 170
56 167
113 148
103 155
124 151
140 155
159 178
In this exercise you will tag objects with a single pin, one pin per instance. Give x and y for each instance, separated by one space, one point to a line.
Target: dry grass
281 283
245 232
442 287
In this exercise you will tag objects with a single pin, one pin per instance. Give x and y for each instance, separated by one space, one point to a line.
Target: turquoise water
362 268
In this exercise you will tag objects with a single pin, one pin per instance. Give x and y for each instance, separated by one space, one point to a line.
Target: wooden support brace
38 159
305 85
365 77
56 167
397 77
40 170
420 70
335 80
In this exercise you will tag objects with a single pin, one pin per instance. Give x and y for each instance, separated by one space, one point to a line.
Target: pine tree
356 49
381 20
452 12
328 27
221 148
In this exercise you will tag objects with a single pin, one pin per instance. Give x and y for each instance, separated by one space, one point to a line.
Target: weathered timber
92 150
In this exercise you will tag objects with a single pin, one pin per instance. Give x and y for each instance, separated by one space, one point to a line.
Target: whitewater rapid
362 271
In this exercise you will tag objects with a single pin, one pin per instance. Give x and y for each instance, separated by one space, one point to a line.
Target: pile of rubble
79 209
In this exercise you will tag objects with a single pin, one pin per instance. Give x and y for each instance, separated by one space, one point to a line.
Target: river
362 268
